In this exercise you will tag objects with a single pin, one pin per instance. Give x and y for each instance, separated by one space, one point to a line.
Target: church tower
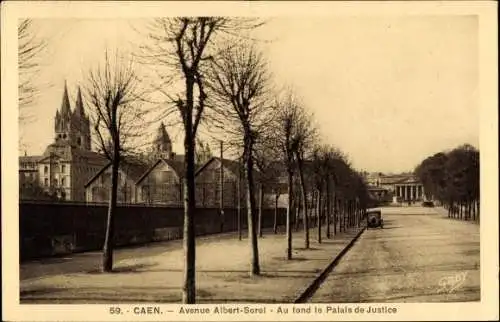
81 124
72 128
63 119
162 146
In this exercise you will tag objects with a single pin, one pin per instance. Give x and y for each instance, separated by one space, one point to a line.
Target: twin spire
66 107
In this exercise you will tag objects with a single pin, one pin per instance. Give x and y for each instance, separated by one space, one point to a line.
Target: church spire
162 135
162 145
79 104
65 107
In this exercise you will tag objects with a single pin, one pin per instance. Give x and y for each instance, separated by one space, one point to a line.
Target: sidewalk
221 274
444 213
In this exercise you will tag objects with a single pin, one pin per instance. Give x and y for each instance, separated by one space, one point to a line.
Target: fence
48 229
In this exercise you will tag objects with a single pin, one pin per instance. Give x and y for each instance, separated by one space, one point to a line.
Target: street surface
419 256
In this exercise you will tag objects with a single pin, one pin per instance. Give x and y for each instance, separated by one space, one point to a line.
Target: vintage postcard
253 161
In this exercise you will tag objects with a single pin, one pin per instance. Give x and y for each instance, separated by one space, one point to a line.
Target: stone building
129 171
67 163
400 188
208 188
161 183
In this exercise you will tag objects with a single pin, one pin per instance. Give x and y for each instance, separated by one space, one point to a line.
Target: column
412 192
404 192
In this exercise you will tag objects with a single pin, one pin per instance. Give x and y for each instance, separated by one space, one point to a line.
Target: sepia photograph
312 165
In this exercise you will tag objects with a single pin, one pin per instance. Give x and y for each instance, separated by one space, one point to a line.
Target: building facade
67 163
398 188
208 188
98 188
161 183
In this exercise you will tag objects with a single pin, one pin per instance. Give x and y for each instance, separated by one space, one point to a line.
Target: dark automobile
374 219
428 204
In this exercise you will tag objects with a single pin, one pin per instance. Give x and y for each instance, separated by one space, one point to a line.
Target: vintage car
374 219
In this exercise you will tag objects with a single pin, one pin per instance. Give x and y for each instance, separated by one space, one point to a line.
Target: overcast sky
388 91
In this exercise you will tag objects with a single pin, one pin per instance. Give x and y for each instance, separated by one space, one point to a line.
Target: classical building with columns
408 190
399 188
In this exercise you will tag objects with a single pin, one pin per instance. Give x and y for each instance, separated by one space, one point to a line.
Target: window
46 182
63 182
45 169
54 182
79 141
63 168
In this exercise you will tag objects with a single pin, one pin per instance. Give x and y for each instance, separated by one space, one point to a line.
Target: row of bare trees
209 70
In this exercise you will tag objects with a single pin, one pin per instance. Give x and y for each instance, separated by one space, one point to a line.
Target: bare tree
320 177
288 131
265 160
179 49
30 48
239 84
305 134
114 107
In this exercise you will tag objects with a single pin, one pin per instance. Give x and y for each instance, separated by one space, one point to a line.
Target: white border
11 11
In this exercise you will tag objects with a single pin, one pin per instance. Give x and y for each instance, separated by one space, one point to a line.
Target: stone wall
48 229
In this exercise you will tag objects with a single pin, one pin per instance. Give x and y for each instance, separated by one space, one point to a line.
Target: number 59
114 310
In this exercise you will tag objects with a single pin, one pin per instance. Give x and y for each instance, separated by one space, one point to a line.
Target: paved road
419 256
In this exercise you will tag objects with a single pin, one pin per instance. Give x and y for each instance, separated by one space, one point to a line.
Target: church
67 163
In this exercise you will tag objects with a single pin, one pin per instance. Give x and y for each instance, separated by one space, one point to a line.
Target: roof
175 164
30 158
232 165
68 152
411 179
132 167
388 179
374 188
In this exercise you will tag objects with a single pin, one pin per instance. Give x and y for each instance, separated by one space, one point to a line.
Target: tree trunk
221 188
478 211
107 254
473 209
189 285
261 204
239 201
328 210
298 205
319 216
275 225
344 215
304 198
289 214
359 213
339 209
312 209
335 210
251 213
